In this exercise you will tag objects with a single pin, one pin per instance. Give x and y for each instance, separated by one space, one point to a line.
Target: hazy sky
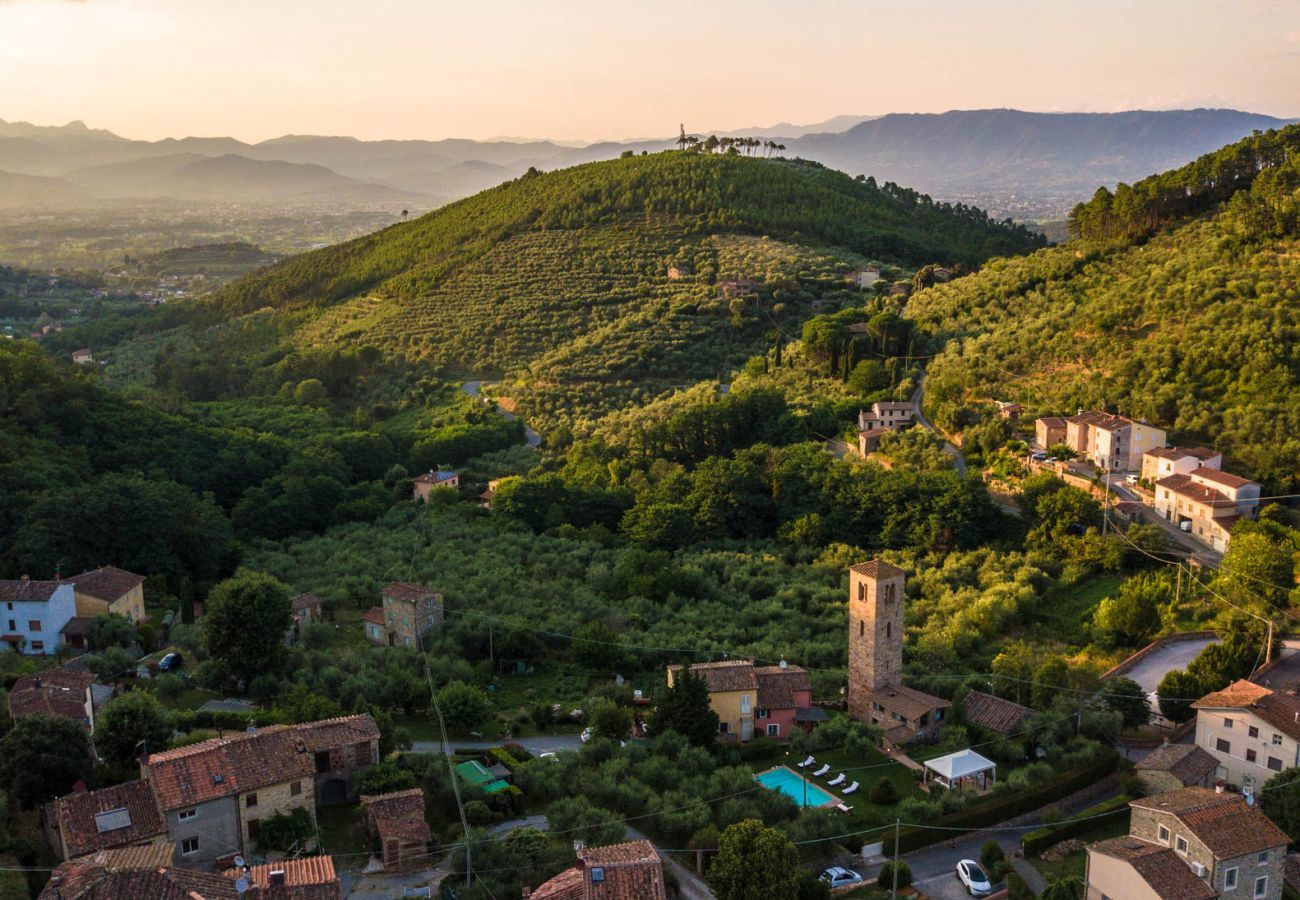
575 69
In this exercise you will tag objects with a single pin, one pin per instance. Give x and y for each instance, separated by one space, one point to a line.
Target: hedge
1037 841
503 756
1008 806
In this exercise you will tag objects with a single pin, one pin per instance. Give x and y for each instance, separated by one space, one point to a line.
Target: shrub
886 877
884 793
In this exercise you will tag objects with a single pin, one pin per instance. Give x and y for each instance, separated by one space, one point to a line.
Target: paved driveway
1154 667
546 743
1287 671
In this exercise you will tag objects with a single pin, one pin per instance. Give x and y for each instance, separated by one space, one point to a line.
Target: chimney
528 892
276 878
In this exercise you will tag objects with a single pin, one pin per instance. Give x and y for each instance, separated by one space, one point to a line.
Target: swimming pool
791 783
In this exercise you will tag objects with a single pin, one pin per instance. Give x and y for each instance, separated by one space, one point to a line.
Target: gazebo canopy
961 764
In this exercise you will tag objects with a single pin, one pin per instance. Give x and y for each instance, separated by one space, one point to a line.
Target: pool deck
832 802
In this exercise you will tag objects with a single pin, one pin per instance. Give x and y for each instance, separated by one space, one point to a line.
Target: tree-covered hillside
1178 304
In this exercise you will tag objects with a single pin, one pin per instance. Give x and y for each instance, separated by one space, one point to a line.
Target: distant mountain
28 190
237 178
787 130
1010 151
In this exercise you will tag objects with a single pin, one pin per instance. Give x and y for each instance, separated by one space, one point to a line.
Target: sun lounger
837 780
822 771
807 762
844 809
850 789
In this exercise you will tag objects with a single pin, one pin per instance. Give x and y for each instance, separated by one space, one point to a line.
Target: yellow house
753 700
109 589
733 690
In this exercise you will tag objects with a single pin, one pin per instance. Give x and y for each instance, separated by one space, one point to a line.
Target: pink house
751 701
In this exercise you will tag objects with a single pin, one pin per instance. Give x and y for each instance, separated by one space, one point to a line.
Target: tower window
862 628
862 591
889 629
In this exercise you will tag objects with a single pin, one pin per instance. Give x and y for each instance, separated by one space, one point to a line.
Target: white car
836 876
585 736
973 878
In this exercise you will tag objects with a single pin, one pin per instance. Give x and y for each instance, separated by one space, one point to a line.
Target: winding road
948 447
475 389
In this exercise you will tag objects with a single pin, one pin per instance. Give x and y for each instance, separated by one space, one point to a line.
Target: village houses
109 589
755 700
55 692
1206 503
1195 844
1111 442
398 828
424 485
34 613
1253 732
883 417
407 613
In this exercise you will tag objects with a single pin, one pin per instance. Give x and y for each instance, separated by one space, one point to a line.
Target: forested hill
696 192
1178 304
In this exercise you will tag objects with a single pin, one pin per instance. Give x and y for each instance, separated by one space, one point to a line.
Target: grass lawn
1066 611
342 828
867 768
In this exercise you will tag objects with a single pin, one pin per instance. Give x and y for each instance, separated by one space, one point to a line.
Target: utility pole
1105 503
1178 585
492 657
893 893
1268 649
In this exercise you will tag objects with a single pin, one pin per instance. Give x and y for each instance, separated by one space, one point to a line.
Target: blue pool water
790 783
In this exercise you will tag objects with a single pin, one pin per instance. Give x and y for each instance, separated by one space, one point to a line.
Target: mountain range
1007 160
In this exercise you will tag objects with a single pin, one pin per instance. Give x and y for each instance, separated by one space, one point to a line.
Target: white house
34 613
865 278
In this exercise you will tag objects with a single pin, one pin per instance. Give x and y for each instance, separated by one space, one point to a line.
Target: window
597 874
295 789
254 826
250 800
724 727
1252 731
764 713
189 846
1230 878
1250 756
1262 859
1261 886
1180 844
774 731
889 629
38 646
1164 835
1275 764
744 704
13 626
862 628
1277 740
1227 723
1222 746
33 624
186 814
862 593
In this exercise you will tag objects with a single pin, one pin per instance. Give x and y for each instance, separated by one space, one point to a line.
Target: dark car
170 662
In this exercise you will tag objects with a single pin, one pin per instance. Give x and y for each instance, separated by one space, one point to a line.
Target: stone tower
875 632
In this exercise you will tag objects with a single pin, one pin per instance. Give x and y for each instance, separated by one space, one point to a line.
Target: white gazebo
965 768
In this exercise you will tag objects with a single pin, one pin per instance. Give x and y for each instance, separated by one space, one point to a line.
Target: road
475 389
948 447
1155 665
545 743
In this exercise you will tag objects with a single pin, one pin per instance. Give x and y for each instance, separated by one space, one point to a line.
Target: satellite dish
239 862
241 886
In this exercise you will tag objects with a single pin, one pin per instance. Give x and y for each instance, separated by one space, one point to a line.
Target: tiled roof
1184 486
374 615
631 871
908 702
1099 419
777 686
55 692
77 626
80 881
1222 822
228 765
725 675
140 856
1051 421
1218 476
305 878
877 568
411 593
106 583
1282 711
305 601
110 817
1291 871
1186 762
435 477
568 885
330 734
1201 453
994 713
27 591
399 815
1165 873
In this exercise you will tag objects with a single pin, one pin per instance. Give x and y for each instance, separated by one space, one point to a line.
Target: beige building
883 417
109 589
1164 461
876 692
1110 441
1206 503
751 700
1049 431
423 485
1252 731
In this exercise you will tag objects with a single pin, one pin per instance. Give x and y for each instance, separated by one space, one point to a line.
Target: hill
561 280
1176 304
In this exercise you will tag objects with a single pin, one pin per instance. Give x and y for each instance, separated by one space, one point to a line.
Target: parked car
586 735
1040 455
1131 479
836 876
973 878
1185 525
169 662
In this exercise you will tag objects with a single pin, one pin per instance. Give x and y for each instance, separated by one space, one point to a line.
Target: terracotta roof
568 885
111 817
411 593
435 477
877 568
1201 453
1051 421
777 686
305 601
631 871
106 583
994 713
305 878
81 881
1161 868
1186 762
374 615
1218 476
1222 822
398 815
54 692
1184 486
140 856
1282 711
77 626
27 591
331 734
1098 419
228 765
725 675
908 702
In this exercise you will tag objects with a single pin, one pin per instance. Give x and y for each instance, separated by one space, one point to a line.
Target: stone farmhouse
409 611
876 693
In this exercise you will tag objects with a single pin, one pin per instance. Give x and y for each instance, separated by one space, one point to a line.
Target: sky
617 69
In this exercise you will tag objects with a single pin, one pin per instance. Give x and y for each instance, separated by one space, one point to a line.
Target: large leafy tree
132 724
110 630
754 860
685 708
246 620
42 757
1280 800
1126 697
